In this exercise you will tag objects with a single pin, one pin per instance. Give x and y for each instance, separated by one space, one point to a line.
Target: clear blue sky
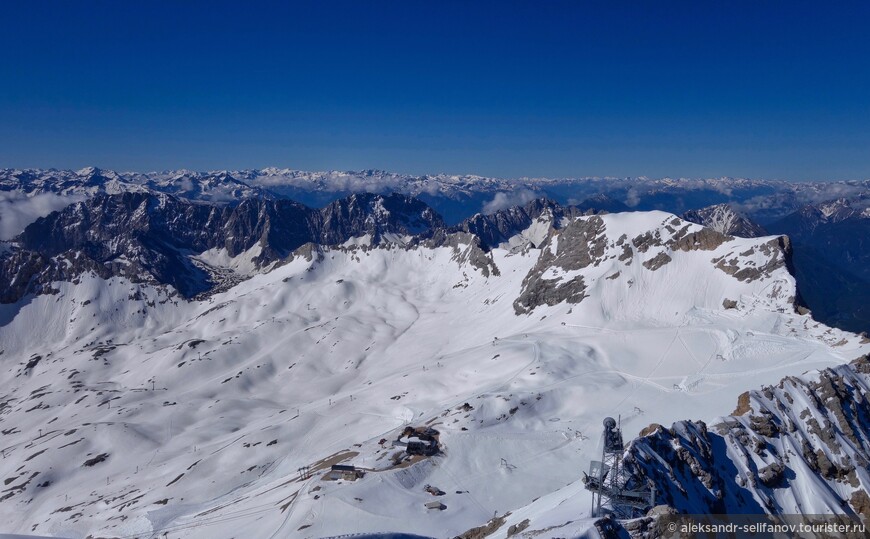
703 88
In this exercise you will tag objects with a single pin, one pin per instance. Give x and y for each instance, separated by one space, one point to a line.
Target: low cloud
505 200
332 181
18 210
632 198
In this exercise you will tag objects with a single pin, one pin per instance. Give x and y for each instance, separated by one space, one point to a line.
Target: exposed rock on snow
577 246
802 446
229 407
527 225
725 219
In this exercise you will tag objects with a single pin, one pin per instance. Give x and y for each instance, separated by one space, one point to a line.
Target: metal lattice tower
612 486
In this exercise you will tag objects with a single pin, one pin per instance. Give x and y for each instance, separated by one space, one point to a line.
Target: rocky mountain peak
804 442
376 216
602 202
519 226
592 250
837 210
158 238
725 219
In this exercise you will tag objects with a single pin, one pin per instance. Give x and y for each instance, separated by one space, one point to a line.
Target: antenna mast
627 495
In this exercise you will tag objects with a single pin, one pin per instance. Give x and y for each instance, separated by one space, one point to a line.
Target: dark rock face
150 237
500 226
23 272
747 463
278 227
657 261
137 235
375 215
118 218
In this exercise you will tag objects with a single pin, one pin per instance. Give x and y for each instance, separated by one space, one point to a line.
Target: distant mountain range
455 197
275 211
187 349
832 260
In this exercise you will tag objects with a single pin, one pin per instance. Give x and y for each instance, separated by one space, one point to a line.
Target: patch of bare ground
742 404
327 462
481 532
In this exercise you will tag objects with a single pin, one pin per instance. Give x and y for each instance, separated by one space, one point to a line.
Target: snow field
324 357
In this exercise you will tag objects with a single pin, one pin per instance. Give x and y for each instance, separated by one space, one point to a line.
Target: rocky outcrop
657 261
466 250
681 236
804 443
577 246
776 254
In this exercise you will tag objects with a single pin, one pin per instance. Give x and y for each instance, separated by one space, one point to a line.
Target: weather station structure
615 490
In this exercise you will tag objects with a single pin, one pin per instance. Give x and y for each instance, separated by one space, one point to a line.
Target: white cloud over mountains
18 210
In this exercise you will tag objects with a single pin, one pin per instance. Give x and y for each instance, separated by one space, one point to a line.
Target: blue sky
759 89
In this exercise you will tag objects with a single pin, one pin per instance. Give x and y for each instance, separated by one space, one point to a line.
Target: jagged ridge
152 237
799 447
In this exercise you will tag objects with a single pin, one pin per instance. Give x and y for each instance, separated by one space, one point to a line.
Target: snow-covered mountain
725 219
832 212
221 186
797 447
162 239
832 278
128 411
832 259
826 220
199 248
455 197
